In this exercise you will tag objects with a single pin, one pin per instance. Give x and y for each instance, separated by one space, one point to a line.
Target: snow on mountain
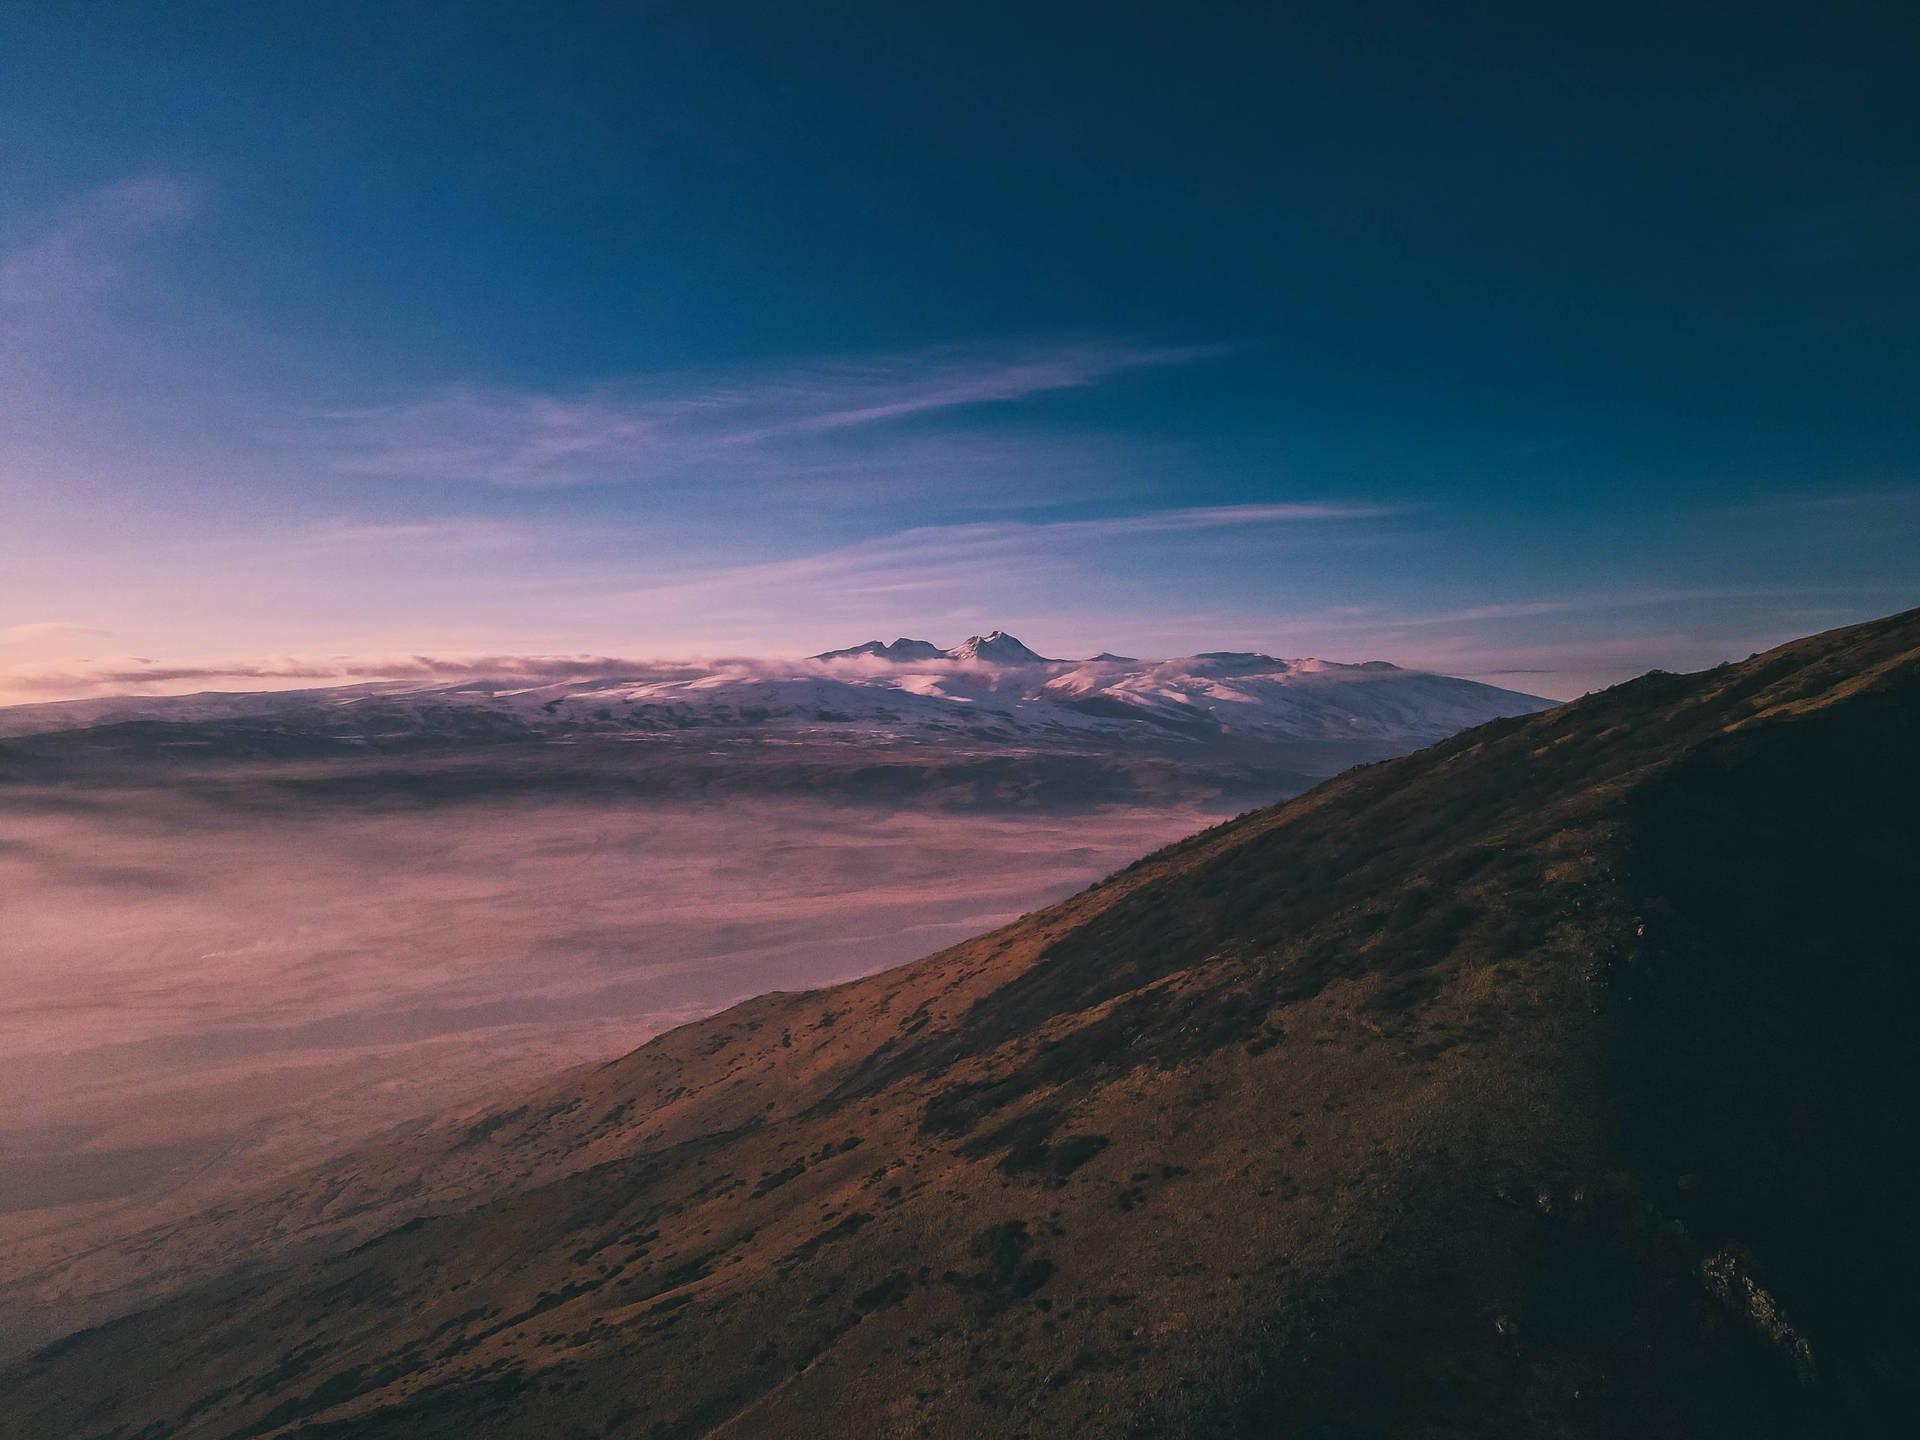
999 648
1224 692
992 687
902 649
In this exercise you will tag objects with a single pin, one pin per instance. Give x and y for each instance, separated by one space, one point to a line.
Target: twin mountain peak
997 648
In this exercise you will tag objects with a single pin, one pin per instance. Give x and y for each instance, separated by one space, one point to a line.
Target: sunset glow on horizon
312 362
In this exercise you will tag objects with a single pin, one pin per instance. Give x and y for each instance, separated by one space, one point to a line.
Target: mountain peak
999 648
899 650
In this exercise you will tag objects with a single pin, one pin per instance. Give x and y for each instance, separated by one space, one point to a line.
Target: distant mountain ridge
991 688
902 649
998 648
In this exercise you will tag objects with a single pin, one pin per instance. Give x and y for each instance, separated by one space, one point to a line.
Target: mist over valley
252 929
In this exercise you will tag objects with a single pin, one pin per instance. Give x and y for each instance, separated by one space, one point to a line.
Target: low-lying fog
195 995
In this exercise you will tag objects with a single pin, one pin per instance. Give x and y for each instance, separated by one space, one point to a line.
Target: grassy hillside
1552 1081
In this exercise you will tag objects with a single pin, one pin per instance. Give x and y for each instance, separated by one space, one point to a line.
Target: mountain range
998 648
990 692
1554 1080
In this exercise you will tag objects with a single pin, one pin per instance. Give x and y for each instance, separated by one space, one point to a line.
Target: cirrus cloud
83 251
769 424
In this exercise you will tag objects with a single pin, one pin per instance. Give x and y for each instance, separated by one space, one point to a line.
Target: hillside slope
1551 1081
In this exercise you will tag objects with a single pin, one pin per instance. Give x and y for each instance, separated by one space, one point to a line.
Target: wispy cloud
1208 517
123 674
926 571
1477 614
83 251
383 542
966 560
55 631
1597 603
662 427
1599 637
1884 497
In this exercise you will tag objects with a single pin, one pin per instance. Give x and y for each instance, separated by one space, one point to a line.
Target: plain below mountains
1556 1080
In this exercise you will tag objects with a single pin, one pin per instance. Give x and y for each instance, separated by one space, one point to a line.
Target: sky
1539 344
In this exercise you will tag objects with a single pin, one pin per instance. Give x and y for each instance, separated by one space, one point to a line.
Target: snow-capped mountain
999 648
902 649
990 688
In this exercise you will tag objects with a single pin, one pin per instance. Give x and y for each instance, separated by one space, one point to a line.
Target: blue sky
1538 347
